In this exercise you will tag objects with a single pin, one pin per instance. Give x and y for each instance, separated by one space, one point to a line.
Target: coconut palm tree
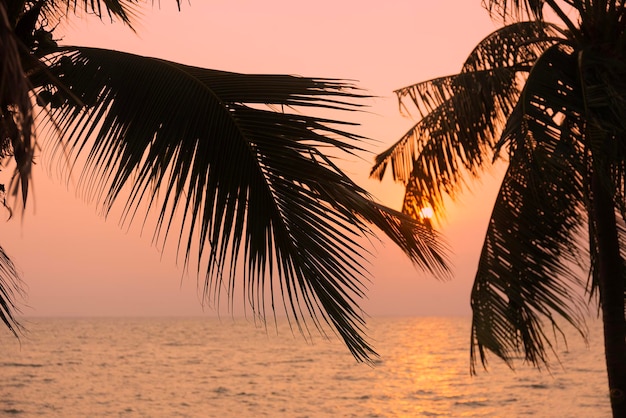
229 164
550 100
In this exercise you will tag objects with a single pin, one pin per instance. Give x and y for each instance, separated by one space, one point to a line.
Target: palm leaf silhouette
249 183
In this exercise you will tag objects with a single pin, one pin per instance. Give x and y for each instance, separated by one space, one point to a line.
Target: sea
211 367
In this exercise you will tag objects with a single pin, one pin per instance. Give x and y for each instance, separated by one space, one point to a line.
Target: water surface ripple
199 367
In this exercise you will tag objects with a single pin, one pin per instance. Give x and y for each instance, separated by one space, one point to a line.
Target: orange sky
76 263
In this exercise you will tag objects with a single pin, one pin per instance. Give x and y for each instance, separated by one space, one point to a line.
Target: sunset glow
427 213
75 263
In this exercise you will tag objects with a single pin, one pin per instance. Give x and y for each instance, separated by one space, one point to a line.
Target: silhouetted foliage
550 100
229 163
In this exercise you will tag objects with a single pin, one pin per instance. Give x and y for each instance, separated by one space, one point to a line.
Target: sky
76 263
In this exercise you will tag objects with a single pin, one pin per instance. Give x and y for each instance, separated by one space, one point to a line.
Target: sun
426 213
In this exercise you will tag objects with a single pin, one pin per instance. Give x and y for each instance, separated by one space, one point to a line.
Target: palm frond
11 289
249 183
530 264
551 95
16 117
514 47
462 115
433 157
604 103
515 9
520 10
603 91
125 10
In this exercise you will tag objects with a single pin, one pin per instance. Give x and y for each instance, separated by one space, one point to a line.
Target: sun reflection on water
197 367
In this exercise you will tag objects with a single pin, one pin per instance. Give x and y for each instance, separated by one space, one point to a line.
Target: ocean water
206 367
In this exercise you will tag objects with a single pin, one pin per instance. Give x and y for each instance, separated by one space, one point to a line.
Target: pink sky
76 263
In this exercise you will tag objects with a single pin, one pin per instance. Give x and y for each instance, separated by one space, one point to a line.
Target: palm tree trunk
611 284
